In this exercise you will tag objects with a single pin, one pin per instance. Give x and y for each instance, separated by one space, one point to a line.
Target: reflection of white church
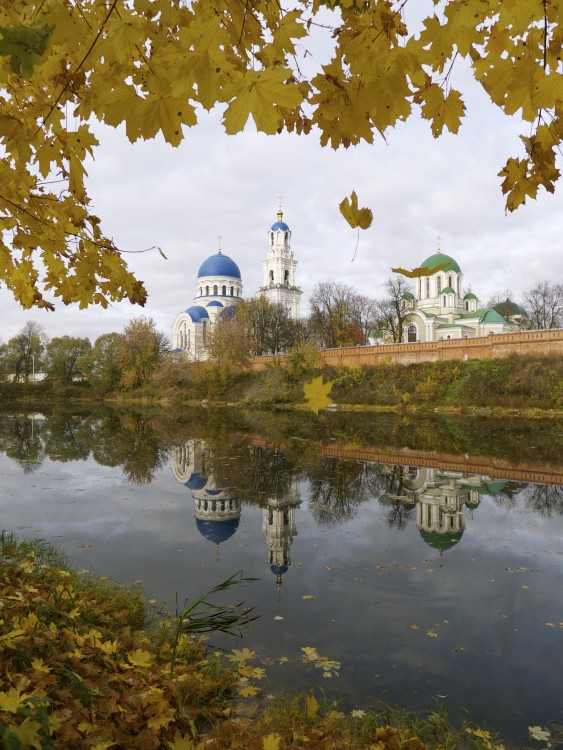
218 513
440 497
442 309
219 290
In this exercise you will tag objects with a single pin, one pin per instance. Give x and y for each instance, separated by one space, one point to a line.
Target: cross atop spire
219 238
280 212
438 238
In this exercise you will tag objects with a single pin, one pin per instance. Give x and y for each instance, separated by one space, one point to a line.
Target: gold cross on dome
219 239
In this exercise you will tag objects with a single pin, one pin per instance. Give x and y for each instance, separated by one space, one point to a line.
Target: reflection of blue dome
213 493
197 313
196 482
219 265
278 570
214 303
281 225
217 531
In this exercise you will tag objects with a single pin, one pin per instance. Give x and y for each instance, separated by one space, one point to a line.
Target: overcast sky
419 188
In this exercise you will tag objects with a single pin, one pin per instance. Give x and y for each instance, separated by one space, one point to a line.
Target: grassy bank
512 383
85 667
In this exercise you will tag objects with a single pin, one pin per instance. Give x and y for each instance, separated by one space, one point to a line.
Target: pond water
424 556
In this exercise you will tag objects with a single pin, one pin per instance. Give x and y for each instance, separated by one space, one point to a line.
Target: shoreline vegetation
516 385
88 663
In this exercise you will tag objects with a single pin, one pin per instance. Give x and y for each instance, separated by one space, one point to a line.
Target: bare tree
339 315
270 327
545 306
22 354
393 314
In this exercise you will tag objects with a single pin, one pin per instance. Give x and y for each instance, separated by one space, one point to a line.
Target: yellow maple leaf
271 742
311 706
180 742
40 666
317 394
356 217
140 658
248 690
12 700
28 733
308 596
241 654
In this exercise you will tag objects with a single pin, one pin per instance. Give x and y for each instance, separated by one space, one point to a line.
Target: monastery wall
485 347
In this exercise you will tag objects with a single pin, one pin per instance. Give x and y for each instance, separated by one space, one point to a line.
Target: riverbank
88 665
515 385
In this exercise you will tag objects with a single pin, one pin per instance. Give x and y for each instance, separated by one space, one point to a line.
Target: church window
271 238
215 289
206 291
466 305
200 291
286 236
232 291
224 292
444 301
411 334
450 281
286 277
271 518
428 287
271 277
439 283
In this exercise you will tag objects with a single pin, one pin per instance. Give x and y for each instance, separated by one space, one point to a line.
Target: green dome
470 295
448 290
408 295
492 316
509 308
439 259
441 541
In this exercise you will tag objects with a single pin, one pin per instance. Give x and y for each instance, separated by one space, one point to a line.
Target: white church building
219 290
441 309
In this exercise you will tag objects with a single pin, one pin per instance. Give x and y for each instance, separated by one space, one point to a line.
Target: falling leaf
356 217
317 394
416 273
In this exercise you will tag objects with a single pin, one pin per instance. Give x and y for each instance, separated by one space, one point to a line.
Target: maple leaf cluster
153 65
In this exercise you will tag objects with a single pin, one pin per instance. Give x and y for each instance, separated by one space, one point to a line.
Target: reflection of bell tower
279 528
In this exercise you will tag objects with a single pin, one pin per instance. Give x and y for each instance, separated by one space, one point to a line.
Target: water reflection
369 537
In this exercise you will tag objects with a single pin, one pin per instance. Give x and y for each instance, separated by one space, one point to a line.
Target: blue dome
278 570
197 313
228 312
217 531
219 265
280 225
214 303
196 482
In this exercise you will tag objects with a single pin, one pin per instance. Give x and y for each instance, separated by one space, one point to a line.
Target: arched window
271 277
439 285
444 301
450 281
206 291
286 235
224 292
200 291
411 334
215 289
286 277
466 305
428 287
271 238
232 291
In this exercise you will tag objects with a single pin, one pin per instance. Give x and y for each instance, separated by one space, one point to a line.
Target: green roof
470 295
438 259
439 541
492 316
448 290
408 295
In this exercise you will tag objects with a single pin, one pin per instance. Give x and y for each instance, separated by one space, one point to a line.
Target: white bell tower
280 285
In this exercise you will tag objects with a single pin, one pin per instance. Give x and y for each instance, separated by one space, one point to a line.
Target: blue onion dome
214 303
196 481
197 313
228 312
280 224
217 531
439 259
219 265
278 570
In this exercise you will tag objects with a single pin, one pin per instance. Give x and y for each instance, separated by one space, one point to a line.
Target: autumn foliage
153 66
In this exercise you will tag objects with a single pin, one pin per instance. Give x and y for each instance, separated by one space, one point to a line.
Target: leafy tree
229 343
139 352
153 65
393 314
544 304
63 357
21 356
340 316
100 363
